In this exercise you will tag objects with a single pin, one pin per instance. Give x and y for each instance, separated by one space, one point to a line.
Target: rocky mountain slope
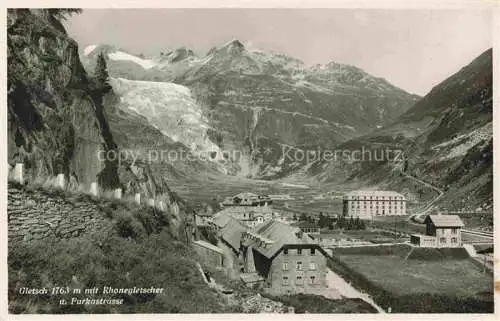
55 122
446 139
59 121
251 103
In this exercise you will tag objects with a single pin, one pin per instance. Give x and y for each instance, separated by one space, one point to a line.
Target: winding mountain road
428 206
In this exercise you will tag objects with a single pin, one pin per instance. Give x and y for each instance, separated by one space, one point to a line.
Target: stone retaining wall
37 214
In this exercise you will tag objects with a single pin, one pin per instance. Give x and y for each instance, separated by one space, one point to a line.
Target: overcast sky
413 49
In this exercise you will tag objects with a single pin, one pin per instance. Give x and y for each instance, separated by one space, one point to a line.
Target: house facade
441 231
288 260
366 204
298 268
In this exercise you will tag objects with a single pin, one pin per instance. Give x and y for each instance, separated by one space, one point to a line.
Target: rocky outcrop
55 118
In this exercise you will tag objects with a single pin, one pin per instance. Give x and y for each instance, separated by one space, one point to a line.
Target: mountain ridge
446 139
253 99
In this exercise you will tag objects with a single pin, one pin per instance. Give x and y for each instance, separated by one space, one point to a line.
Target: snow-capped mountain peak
88 50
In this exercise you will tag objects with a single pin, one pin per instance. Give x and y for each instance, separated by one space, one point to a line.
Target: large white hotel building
365 204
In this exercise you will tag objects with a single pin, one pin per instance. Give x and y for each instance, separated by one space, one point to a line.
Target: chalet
287 260
441 231
247 199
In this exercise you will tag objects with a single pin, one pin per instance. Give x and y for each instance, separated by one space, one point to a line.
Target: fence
17 174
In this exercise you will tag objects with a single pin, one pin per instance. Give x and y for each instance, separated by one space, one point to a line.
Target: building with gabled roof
443 221
248 215
440 231
247 199
288 260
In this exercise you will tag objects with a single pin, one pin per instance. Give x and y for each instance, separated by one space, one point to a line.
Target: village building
284 258
247 199
210 253
441 231
250 216
366 204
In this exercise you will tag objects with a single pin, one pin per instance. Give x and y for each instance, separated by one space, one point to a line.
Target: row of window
299 266
381 198
376 207
377 211
443 240
353 205
299 251
299 280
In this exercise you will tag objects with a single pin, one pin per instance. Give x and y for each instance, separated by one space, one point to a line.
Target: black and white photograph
249 160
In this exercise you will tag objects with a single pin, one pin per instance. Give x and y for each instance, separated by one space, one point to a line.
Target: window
285 266
442 240
453 240
285 251
313 251
312 266
299 251
285 280
312 279
299 280
454 231
298 266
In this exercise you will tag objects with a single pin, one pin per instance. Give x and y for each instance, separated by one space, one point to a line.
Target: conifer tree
101 73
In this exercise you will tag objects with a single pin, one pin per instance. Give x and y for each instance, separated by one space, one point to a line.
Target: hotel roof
220 218
372 193
232 232
269 237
